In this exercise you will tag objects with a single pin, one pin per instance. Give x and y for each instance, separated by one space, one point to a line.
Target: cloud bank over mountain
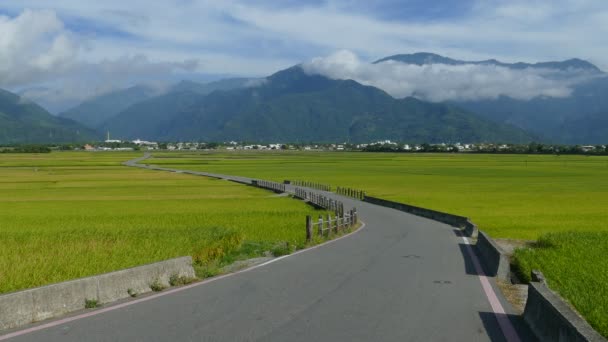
441 82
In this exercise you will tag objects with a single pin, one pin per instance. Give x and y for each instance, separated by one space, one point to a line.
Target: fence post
321 225
308 228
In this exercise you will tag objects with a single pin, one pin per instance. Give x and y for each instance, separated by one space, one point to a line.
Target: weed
177 280
91 303
132 293
282 248
157 286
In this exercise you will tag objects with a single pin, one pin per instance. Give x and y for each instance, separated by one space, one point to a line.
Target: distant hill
96 111
557 120
423 58
291 105
25 122
93 112
594 129
206 88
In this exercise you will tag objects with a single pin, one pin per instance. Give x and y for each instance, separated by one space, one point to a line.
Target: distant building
88 147
108 140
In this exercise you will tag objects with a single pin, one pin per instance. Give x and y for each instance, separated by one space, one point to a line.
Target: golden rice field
67 215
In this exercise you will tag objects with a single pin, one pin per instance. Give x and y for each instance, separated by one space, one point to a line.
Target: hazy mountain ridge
294 106
96 111
425 58
24 122
571 119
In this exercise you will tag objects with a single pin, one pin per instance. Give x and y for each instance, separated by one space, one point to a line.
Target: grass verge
575 265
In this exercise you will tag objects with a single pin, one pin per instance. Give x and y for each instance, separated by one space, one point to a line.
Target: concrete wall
23 307
453 220
551 319
495 260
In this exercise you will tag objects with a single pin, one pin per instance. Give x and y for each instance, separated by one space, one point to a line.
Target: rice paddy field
559 201
67 215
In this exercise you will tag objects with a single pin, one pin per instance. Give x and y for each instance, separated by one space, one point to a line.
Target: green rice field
67 215
561 201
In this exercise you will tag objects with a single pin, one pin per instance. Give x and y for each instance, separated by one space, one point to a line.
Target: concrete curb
495 259
547 314
32 305
551 319
469 227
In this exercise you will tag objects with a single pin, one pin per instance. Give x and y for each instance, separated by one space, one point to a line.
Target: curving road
401 278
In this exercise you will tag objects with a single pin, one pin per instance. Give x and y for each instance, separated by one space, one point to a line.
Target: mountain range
24 122
568 120
293 105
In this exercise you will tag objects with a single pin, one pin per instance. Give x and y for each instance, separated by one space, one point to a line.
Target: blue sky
72 49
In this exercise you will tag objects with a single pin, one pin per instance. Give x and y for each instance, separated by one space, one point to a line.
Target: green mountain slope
24 122
294 106
590 129
94 111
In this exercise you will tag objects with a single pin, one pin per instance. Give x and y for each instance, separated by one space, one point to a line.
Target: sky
63 51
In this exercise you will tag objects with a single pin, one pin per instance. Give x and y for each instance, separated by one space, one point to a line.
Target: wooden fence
331 223
357 194
324 225
274 186
312 185
328 224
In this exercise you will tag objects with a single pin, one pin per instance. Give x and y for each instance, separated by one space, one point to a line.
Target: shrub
91 303
157 286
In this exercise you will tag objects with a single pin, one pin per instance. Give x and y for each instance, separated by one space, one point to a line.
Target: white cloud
440 82
244 38
34 45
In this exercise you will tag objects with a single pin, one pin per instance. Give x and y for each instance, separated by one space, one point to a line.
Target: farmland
509 196
559 200
75 214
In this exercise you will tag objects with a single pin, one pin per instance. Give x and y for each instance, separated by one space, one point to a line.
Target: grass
70 215
576 266
560 201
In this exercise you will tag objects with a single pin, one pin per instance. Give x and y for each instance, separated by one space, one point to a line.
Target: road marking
168 292
499 312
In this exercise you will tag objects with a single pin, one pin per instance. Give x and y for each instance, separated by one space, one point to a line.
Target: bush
91 303
157 286
176 280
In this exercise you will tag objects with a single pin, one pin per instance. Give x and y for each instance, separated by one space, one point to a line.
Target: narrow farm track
402 278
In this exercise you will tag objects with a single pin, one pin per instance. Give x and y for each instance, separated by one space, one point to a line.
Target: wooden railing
312 185
330 223
274 186
357 194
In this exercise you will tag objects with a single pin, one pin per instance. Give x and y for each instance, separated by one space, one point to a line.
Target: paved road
401 278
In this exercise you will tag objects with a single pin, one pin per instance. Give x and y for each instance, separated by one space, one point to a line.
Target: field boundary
552 319
546 313
32 305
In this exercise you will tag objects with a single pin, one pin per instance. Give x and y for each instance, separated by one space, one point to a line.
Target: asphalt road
401 278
